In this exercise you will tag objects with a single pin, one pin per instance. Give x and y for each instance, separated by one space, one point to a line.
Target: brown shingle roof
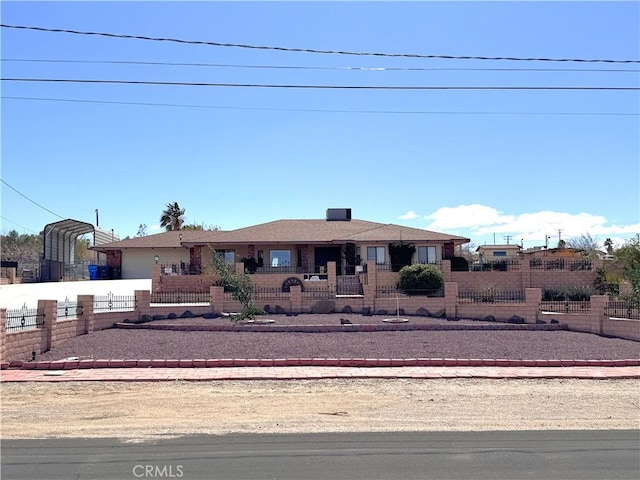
170 239
323 231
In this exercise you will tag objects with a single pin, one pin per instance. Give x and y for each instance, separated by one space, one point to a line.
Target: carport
59 248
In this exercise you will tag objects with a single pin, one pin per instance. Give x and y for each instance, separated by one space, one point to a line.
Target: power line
310 50
32 201
348 87
17 225
302 67
319 110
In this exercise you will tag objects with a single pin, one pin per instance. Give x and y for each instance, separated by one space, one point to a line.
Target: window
500 254
280 258
229 256
427 255
375 254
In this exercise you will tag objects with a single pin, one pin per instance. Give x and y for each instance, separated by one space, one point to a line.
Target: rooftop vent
338 214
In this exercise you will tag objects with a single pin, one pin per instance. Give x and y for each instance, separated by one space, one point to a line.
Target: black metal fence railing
320 292
181 297
506 265
282 269
113 303
68 310
565 306
623 309
24 319
492 296
180 268
391 291
393 267
560 264
270 293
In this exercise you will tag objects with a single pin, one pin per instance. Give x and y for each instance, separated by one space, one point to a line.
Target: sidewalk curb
72 364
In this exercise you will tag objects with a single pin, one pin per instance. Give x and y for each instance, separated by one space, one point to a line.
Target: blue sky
485 164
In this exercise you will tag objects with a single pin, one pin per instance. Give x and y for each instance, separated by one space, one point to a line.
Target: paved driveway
15 296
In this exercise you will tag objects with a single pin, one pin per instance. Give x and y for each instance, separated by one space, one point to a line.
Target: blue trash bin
103 272
93 272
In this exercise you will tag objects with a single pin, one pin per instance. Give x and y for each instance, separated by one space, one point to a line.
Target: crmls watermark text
158 471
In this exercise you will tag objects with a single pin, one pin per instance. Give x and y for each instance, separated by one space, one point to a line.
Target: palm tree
173 217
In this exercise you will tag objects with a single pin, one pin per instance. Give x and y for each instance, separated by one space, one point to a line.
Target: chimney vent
338 214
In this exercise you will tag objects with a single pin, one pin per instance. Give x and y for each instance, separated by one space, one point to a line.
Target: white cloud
410 215
154 228
484 221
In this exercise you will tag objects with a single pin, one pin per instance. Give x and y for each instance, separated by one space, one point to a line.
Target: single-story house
489 253
295 246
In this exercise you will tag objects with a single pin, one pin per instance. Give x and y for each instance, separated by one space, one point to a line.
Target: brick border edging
354 327
314 362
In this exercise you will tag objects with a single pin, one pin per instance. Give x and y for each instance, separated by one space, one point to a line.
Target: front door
323 255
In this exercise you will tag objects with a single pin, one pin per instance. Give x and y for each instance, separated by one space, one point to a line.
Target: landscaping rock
423 312
172 316
541 322
366 311
187 314
440 313
381 312
516 319
159 317
280 310
210 315
323 306
347 309
489 318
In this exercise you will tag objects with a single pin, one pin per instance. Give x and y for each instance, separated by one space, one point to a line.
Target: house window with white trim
427 255
375 254
280 258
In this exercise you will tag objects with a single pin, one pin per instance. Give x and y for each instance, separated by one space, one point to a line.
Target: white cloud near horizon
482 221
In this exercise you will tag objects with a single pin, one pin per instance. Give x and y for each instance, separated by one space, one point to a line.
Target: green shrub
459 264
420 277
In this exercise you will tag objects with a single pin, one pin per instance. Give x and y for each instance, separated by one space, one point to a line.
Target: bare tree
586 243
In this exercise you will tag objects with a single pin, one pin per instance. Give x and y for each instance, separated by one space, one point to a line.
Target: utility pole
508 238
97 223
559 235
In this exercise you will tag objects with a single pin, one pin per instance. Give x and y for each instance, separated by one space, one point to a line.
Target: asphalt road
512 455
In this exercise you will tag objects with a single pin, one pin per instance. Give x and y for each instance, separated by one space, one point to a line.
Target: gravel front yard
153 344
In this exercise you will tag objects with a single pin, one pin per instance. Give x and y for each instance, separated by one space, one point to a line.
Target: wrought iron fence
181 297
565 306
492 296
560 264
391 291
320 292
180 268
623 309
506 265
24 319
113 303
270 293
68 310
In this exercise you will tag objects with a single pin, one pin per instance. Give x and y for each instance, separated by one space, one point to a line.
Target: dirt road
147 411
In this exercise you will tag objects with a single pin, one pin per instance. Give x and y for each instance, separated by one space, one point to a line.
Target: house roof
323 231
171 239
511 246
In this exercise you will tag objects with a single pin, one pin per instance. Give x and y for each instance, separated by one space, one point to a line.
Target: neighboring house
489 253
287 246
551 253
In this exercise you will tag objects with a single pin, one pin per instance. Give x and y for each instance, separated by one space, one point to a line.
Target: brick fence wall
24 345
